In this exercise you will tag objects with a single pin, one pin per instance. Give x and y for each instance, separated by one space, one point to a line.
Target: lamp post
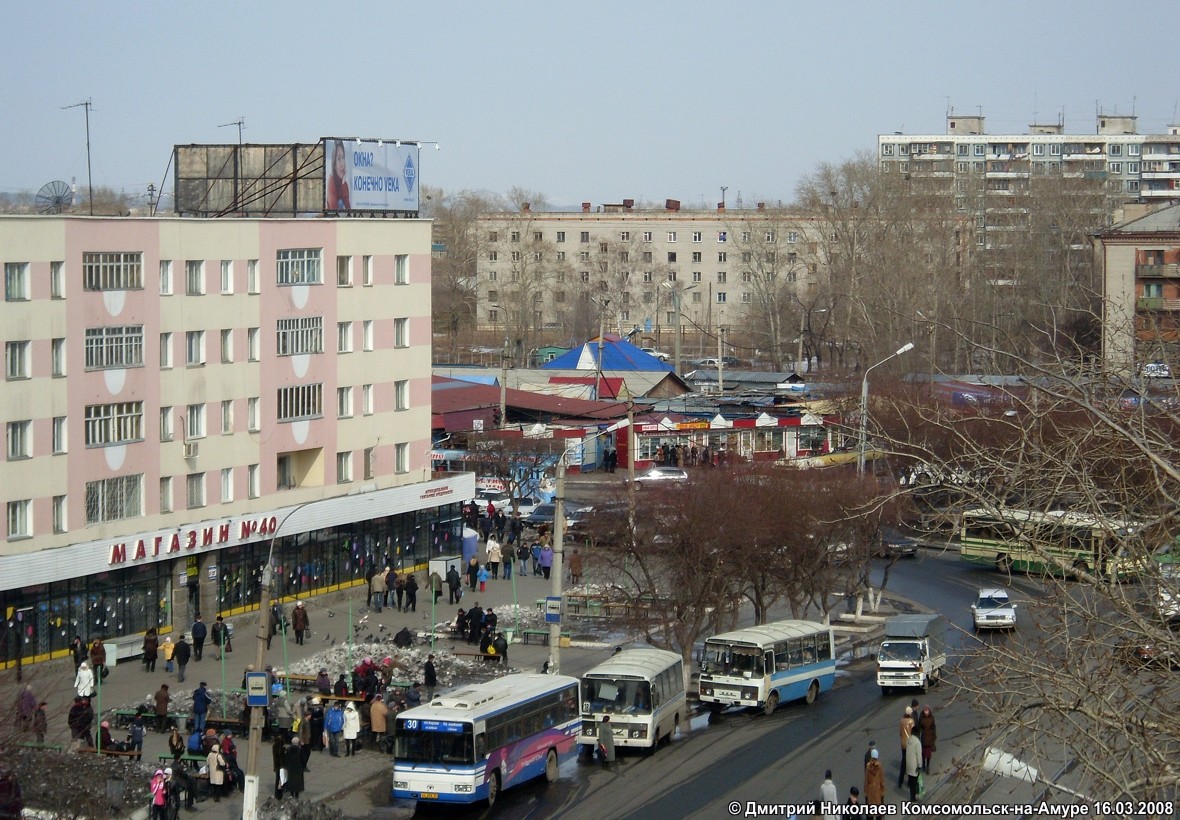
864 405
503 372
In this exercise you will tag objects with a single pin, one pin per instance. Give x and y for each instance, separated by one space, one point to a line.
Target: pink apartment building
179 392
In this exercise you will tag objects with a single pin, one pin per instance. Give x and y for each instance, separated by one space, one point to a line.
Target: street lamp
503 372
677 295
864 405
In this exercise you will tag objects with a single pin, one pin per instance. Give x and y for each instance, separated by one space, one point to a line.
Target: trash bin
564 642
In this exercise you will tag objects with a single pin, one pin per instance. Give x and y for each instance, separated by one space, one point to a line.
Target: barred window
302 401
299 266
302 335
112 271
112 499
114 423
115 346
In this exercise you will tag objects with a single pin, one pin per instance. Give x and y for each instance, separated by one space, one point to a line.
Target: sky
586 102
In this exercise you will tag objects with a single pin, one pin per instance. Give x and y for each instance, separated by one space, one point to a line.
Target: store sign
213 535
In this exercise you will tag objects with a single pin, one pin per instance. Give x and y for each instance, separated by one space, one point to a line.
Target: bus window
643 697
782 660
481 746
823 647
795 651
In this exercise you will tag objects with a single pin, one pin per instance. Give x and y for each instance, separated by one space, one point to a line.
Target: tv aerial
54 197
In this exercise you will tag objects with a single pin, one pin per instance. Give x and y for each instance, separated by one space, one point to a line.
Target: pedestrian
278 759
828 794
300 622
352 728
136 734
151 649
472 573
84 681
500 645
334 726
390 584
546 560
216 763
77 652
495 553
454 585
303 731
163 698
40 722
927 735
507 558
181 654
575 567
535 555
281 711
853 797
166 650
293 763
486 523
378 713
606 742
483 576
429 677
201 701
869 751
399 591
235 777
340 688
436 585
515 530
26 704
315 713
499 524
904 727
377 589
414 695
913 763
874 779
199 632
176 744
217 636
98 657
158 789
411 593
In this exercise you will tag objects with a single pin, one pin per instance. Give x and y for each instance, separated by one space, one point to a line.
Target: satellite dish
54 197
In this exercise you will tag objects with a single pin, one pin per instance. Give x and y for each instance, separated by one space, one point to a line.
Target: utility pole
87 104
240 122
602 306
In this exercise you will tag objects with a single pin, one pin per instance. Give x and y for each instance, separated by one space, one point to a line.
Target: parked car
731 361
1157 370
895 542
503 501
706 362
1139 652
659 354
661 477
993 609
575 515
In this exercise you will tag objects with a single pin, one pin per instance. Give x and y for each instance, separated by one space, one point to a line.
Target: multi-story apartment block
183 395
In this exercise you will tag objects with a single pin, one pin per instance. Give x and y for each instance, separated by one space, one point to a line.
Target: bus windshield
632 697
723 659
444 742
900 651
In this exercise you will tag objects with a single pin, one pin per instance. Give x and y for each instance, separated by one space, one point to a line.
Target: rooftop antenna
87 104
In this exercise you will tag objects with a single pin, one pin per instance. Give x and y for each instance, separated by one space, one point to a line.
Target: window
1153 290
1116 167
194 347
722 236
113 499
227 417
367 271
721 297
344 402
1132 150
302 401
1132 167
165 277
60 521
401 458
1132 185
194 426
367 399
514 236
696 236
746 299
1055 150
401 393
367 334
584 276
227 276
721 277
696 276
57 351
300 336
57 280
252 414
166 431
227 485
116 423
792 237
194 277
343 271
252 347
60 442
1114 150
112 271
560 256
16 360
493 236
20 439
561 236
370 462
114 347
194 486
584 237
16 281
286 472
344 337
253 481
401 269
1038 149
671 276
165 351
647 277
166 494
19 518
401 332
253 283
671 256
722 256
538 236
343 468
696 297
886 149
227 346
299 266
696 256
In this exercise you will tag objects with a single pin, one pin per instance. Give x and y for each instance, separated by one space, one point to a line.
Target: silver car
993 609
661 476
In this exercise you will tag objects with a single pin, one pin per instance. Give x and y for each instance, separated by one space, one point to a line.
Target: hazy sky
592 101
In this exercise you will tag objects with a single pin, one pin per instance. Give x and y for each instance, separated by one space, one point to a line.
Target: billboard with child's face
370 175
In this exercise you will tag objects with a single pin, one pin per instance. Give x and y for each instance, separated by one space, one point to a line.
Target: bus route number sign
553 609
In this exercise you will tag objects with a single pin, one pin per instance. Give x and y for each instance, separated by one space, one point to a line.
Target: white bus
768 664
467 745
643 692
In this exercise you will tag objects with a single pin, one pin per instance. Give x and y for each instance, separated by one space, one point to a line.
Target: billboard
370 175
249 180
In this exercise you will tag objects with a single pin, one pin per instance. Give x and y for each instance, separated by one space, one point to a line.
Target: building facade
183 394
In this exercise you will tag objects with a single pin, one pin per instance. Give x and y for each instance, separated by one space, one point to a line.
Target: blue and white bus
643 692
768 664
467 745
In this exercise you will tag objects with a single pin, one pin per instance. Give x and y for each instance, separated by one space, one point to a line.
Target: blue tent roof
617 354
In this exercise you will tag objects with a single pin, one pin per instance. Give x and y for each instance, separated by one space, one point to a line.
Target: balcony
1157 303
1157 271
1160 193
1160 174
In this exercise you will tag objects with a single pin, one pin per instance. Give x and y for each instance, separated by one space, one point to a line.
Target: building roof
456 403
617 354
1162 220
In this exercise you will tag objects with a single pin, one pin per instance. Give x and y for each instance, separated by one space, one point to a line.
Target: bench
195 761
475 653
48 747
221 724
300 682
123 718
527 635
89 750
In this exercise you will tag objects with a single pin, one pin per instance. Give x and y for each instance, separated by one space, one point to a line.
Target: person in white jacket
84 681
352 728
828 794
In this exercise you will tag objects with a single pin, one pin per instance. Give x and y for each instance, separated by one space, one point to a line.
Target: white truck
913 652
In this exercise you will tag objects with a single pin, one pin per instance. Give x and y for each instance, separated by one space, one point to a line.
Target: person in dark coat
316 716
411 593
78 651
300 622
293 761
278 753
199 632
429 677
181 655
151 650
454 582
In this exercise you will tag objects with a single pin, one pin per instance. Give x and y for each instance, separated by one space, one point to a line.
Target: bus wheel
551 766
1004 563
813 691
493 788
771 703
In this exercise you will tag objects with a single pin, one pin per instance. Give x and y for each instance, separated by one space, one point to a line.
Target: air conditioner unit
192 449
